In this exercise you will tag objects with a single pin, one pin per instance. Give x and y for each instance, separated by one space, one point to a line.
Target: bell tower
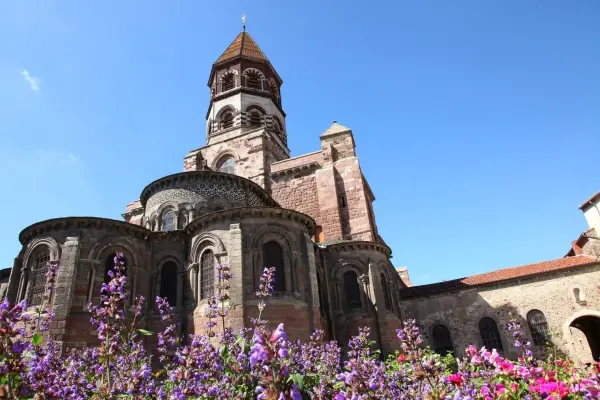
245 121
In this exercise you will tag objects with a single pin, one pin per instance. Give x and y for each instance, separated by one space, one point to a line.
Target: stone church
242 200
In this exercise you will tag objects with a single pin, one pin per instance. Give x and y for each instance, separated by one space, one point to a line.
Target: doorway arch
582 332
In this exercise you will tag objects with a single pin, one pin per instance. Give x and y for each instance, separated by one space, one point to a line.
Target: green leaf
297 379
144 332
224 351
37 339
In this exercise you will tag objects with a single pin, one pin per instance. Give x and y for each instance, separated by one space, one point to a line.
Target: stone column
65 287
287 274
312 299
22 284
236 291
379 307
179 300
191 215
363 281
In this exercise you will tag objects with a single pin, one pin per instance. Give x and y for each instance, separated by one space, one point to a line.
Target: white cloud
34 83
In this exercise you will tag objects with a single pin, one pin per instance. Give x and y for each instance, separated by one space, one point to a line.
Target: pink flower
455 378
554 390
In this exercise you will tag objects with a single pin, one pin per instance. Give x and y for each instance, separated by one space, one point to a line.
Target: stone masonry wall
553 294
298 192
369 265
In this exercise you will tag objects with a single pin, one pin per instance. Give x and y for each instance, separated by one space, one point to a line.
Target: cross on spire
244 22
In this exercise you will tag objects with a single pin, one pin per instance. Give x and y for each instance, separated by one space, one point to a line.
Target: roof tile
243 45
500 276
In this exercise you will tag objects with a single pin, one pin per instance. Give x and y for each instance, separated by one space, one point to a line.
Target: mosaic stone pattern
194 191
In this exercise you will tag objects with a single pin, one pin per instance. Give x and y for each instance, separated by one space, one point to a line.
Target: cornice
358 245
204 175
298 168
55 224
248 212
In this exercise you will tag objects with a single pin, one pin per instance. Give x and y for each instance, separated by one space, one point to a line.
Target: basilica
241 200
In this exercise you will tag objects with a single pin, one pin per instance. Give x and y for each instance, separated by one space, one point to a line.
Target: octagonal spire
242 45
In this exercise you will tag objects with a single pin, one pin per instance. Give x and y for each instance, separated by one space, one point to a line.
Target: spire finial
244 22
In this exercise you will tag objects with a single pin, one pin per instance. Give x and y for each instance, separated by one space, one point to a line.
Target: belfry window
254 118
226 164
228 82
352 290
168 282
36 282
442 343
273 257
539 327
253 80
168 223
207 275
276 125
227 120
490 334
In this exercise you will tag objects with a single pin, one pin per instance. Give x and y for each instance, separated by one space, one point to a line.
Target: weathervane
244 22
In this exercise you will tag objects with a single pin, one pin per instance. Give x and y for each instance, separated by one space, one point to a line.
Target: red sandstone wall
298 192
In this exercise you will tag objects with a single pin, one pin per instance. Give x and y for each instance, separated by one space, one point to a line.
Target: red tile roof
242 45
501 275
592 199
577 245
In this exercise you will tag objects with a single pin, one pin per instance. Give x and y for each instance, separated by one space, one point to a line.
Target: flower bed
256 363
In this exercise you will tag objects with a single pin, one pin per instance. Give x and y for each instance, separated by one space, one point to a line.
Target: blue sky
477 123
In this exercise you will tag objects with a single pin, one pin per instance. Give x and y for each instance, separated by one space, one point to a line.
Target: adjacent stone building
555 301
243 200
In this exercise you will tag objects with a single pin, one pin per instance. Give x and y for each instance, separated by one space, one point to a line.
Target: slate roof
242 45
501 275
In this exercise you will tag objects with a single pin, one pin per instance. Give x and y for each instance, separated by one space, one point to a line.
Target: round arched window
168 221
227 165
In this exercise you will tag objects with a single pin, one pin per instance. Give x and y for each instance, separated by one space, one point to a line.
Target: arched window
489 334
254 118
579 295
109 265
273 257
253 79
226 164
442 343
319 234
168 282
386 292
227 119
36 279
228 82
538 327
207 274
352 290
322 295
277 127
168 222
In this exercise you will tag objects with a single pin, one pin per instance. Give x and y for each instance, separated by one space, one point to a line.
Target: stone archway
586 328
582 332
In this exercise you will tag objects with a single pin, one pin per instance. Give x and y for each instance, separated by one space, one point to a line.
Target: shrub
256 363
